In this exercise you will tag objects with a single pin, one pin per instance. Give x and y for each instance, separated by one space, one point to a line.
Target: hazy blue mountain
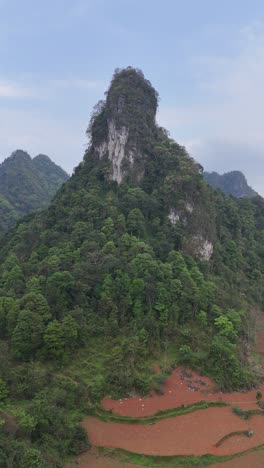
232 183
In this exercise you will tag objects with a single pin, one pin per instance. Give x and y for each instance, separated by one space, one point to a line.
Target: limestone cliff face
123 127
181 215
115 148
198 245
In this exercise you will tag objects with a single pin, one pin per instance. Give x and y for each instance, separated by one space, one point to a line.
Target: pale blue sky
205 57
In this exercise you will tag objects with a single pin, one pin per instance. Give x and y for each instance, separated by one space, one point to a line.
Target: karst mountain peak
134 256
123 126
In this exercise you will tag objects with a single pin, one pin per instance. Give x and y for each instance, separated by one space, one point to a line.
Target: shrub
32 459
240 412
3 391
80 442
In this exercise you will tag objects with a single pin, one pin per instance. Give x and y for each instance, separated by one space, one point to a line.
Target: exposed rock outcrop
123 127
174 216
115 149
204 248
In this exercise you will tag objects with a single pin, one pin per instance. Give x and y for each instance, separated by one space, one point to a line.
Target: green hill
26 185
136 261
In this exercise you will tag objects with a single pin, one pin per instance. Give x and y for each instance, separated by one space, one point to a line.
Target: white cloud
14 90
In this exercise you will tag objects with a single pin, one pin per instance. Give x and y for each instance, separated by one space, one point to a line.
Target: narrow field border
207 459
108 416
232 434
246 414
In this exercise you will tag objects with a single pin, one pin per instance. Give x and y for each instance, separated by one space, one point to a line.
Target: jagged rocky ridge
232 183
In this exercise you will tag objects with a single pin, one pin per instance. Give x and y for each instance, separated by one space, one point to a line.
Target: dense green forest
232 183
26 185
137 261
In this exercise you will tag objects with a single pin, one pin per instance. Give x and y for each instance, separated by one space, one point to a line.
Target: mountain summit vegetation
136 262
26 185
232 183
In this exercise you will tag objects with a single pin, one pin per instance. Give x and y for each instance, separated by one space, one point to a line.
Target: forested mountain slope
26 185
232 183
136 261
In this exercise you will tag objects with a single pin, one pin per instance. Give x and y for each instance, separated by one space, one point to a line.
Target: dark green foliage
26 185
27 335
247 414
261 404
9 215
53 339
80 441
32 459
240 412
41 414
3 391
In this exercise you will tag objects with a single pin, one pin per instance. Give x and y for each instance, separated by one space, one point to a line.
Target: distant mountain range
26 185
232 183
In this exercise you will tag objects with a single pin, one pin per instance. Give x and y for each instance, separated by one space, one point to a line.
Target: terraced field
189 424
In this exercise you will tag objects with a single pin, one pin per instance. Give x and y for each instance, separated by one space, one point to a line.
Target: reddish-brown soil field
178 390
191 434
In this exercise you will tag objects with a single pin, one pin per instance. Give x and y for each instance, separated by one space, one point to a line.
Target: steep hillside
137 261
26 185
232 183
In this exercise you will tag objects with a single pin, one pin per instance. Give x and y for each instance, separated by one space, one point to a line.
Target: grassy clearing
170 461
108 416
